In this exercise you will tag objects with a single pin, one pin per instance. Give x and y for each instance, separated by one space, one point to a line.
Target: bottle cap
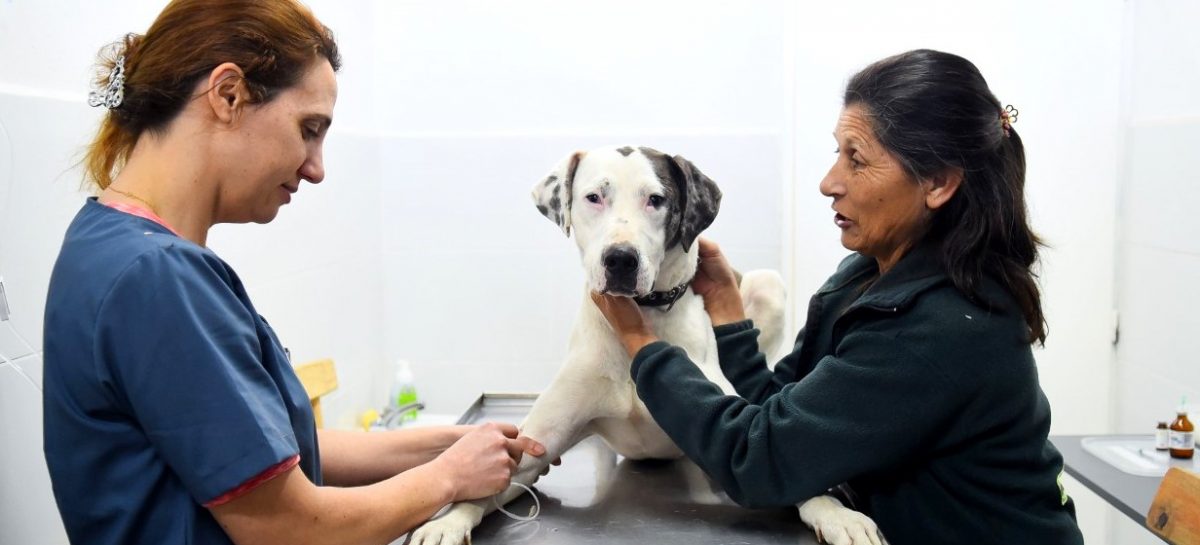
404 371
367 418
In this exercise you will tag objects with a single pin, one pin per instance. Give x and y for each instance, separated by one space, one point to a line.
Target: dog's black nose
620 260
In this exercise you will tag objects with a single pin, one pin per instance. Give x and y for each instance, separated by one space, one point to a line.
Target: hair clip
1008 116
113 93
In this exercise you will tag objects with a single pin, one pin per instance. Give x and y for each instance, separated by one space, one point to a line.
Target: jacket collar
919 270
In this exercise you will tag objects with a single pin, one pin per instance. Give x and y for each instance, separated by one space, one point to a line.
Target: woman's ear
227 93
941 187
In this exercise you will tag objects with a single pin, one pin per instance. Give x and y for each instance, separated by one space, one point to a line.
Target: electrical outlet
3 302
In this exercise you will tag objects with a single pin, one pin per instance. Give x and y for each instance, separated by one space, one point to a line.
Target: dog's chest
688 327
631 430
635 434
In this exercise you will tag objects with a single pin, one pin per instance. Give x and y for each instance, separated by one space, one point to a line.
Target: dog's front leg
838 525
558 419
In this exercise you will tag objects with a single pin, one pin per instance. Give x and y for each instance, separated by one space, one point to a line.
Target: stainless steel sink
1135 454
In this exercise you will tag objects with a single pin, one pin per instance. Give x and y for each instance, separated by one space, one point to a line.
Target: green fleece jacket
927 404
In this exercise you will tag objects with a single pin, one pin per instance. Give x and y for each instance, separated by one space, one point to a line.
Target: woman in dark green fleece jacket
913 380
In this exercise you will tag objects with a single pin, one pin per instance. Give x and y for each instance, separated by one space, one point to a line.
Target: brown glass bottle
1182 445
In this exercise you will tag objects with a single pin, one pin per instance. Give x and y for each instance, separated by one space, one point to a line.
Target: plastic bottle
404 390
1162 437
1182 443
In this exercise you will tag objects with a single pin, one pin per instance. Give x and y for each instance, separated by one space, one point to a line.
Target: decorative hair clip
114 93
1008 116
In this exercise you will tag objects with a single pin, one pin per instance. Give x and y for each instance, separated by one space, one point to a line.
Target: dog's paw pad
441 532
848 527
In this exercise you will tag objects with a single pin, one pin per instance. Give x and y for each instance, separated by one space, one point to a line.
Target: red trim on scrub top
141 213
268 474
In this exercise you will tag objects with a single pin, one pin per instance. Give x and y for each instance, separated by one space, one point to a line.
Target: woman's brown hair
273 42
933 110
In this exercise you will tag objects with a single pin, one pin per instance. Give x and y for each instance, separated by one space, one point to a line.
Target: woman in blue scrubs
172 414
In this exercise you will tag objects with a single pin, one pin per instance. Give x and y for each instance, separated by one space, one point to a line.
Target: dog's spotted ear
699 200
553 194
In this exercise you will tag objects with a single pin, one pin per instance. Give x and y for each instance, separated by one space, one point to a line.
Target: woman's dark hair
933 111
274 42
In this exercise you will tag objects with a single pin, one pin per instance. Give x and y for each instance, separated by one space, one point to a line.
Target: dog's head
630 208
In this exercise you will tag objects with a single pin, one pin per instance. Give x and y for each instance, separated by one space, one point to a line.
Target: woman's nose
313 169
830 185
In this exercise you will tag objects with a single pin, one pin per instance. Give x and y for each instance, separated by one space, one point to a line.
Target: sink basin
1135 454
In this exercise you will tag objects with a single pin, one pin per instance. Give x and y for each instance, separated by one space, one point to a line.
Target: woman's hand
716 282
482 463
626 320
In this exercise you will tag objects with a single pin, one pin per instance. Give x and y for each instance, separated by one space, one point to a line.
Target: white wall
1158 252
44 122
479 99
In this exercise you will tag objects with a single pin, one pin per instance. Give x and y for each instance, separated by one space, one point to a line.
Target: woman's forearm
724 306
290 510
354 458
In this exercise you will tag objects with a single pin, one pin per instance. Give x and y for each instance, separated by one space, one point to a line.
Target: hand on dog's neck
677 267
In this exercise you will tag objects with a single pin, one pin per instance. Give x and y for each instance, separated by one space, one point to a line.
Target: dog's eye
593 198
657 200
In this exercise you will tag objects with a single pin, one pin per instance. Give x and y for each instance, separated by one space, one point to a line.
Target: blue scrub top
164 388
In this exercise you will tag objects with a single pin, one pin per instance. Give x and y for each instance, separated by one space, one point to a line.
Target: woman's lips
842 221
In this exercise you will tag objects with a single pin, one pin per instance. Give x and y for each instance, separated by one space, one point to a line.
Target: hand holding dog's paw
481 464
449 529
837 525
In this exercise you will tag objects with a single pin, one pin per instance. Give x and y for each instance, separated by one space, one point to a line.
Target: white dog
636 213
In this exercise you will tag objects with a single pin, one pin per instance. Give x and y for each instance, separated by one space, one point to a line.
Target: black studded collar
663 298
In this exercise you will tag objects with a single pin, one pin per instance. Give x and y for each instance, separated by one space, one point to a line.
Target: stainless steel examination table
596 496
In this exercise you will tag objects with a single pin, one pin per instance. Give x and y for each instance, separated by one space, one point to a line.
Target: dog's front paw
838 525
448 529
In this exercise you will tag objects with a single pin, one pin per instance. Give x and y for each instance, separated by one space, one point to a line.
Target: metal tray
499 407
1135 454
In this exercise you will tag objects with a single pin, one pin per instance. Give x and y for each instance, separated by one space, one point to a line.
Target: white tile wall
1165 72
38 197
500 67
1093 512
1160 197
1157 360
1157 254
39 201
26 501
50 47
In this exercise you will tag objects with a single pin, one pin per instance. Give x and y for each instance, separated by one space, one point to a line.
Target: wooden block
318 378
1175 513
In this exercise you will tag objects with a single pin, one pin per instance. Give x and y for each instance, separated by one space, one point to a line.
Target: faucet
393 416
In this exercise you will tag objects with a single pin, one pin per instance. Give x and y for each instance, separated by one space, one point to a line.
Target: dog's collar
663 298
